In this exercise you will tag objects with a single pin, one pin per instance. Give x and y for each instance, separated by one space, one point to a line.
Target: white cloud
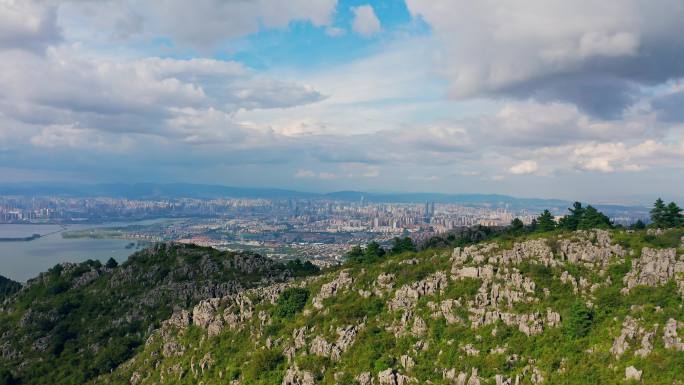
555 48
26 24
201 24
524 167
365 22
54 136
305 174
335 31
193 99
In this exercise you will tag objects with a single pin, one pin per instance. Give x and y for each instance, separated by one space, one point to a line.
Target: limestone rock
408 295
591 247
294 376
670 337
332 288
364 378
654 268
346 337
631 373
172 348
407 362
532 249
646 343
391 377
628 332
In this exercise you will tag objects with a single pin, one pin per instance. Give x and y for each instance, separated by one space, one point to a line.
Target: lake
23 260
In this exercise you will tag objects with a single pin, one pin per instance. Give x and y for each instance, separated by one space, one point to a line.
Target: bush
300 269
263 363
111 263
291 302
579 321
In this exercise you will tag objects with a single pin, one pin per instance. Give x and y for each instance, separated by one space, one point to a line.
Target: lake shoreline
21 239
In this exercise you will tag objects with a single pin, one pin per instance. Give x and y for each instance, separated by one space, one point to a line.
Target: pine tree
658 213
673 215
545 222
517 226
593 219
571 221
111 263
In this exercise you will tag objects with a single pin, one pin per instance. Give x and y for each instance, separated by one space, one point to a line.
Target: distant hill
204 191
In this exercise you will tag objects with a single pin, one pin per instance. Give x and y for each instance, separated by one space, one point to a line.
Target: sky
539 98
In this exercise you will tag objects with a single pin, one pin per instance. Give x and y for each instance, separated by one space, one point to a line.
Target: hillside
587 307
8 287
77 321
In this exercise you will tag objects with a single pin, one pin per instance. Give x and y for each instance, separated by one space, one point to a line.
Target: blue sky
554 99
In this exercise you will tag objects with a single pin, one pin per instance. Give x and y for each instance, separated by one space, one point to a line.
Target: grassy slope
243 354
88 330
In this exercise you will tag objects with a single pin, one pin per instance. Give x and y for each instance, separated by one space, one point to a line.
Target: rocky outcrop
590 247
407 296
446 309
172 348
654 268
670 337
407 362
628 332
646 343
345 339
529 324
295 376
452 377
365 378
632 374
536 249
383 284
332 288
475 253
391 377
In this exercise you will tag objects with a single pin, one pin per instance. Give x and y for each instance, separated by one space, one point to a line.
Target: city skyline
561 100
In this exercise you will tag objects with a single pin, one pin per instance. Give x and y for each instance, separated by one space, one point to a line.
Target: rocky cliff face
78 321
573 308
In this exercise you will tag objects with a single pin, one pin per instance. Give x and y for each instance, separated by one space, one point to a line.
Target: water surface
23 260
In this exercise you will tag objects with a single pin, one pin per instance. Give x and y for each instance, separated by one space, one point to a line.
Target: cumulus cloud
69 136
27 25
204 23
592 54
524 167
148 96
531 123
365 22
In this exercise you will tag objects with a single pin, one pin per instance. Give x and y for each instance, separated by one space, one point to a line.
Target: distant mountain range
206 191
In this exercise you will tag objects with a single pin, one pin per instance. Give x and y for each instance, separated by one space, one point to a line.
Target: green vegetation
111 263
83 320
575 352
579 320
8 287
545 222
372 253
666 216
300 269
291 302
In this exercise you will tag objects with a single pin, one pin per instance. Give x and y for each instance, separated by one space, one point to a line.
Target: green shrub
579 320
263 363
291 302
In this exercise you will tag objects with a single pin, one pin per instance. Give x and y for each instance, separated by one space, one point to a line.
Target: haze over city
554 99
